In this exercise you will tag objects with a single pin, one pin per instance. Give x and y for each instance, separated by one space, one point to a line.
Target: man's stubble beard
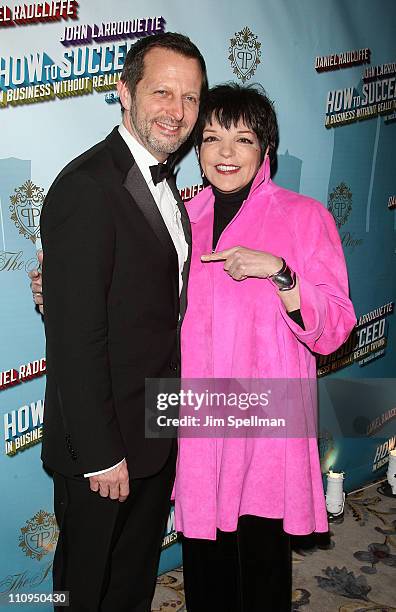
152 144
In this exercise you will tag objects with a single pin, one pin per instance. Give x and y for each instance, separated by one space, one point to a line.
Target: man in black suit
116 240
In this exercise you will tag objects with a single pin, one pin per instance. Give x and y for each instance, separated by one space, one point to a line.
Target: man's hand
37 284
241 263
113 484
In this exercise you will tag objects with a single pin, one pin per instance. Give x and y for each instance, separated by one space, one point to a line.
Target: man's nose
176 108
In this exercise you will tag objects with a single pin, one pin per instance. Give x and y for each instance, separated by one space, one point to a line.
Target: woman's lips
227 169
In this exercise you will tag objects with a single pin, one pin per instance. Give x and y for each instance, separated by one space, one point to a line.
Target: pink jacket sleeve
326 309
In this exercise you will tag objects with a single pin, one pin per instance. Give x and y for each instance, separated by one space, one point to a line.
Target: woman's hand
241 263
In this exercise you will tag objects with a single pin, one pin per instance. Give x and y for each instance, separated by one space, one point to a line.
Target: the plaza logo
244 54
39 535
25 208
339 203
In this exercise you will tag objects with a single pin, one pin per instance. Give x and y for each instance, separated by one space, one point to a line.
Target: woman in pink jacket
267 289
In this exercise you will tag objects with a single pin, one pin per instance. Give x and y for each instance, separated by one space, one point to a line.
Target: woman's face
229 158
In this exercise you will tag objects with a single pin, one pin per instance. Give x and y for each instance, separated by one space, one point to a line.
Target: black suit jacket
110 285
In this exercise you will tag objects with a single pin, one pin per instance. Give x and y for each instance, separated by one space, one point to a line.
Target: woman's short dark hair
231 102
133 69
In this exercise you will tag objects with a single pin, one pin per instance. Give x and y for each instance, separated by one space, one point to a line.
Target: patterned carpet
351 570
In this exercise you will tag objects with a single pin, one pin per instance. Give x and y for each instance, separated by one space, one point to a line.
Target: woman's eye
245 140
209 139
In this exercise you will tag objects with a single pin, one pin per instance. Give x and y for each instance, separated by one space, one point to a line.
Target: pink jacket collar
200 204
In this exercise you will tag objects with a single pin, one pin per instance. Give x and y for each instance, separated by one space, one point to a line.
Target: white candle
335 496
332 474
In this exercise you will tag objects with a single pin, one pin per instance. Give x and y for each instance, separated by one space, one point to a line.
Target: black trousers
108 552
248 570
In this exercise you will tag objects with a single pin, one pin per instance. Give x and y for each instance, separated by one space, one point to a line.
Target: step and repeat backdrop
331 70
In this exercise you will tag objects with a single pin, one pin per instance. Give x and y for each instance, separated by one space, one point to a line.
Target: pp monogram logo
25 209
340 203
244 54
39 536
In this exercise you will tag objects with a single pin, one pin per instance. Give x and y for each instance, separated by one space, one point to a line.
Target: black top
226 206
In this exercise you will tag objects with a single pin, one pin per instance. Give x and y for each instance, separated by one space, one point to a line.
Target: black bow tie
160 172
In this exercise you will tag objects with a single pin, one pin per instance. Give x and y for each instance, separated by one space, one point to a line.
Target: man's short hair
133 69
230 102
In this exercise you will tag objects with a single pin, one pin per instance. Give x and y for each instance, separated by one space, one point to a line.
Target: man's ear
125 96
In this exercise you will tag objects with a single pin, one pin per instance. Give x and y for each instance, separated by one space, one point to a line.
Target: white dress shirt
168 208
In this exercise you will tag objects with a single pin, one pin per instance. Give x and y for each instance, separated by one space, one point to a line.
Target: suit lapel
134 183
137 187
141 194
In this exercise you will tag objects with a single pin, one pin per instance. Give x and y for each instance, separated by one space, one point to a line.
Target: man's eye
161 92
192 99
